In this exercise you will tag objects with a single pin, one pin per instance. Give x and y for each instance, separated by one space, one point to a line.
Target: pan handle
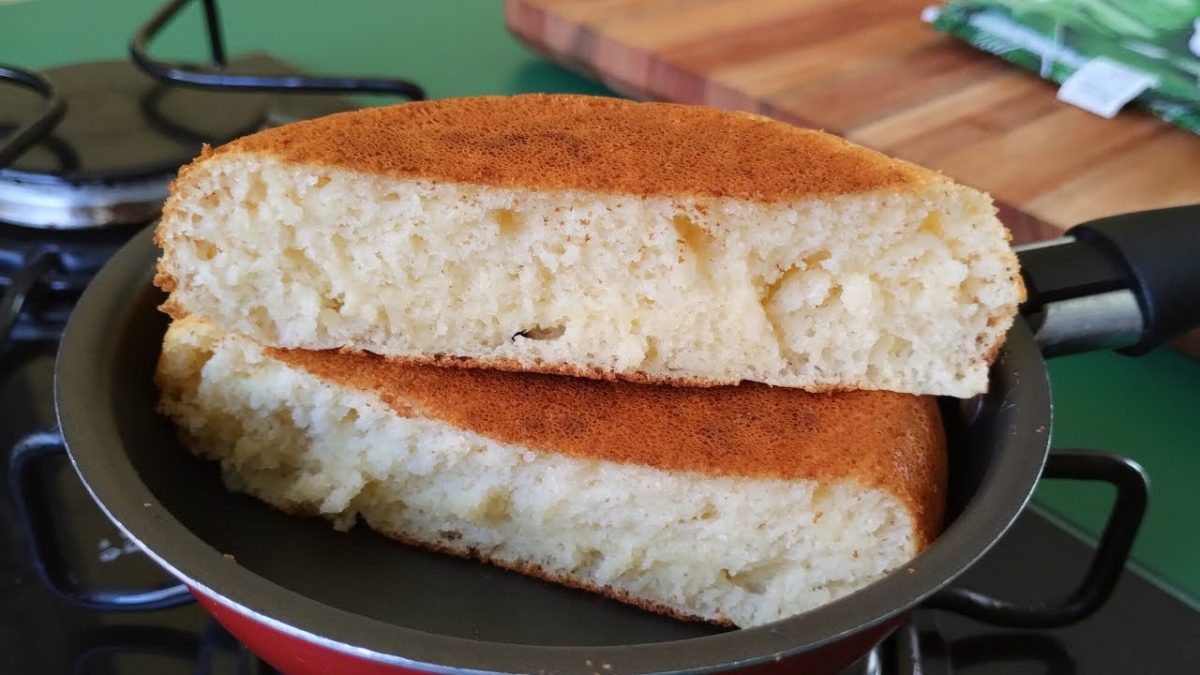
1107 564
1129 282
48 560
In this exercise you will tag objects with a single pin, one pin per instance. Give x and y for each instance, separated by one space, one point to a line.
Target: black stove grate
96 144
54 175
20 137
42 275
217 76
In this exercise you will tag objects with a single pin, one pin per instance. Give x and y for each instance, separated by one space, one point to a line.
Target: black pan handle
48 560
1107 564
1130 281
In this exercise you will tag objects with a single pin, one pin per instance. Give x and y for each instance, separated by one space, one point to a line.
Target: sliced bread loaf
597 237
737 505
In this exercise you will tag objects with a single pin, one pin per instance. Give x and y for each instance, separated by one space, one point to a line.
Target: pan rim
84 367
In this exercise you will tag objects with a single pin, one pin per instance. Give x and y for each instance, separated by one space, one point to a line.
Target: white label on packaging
1103 86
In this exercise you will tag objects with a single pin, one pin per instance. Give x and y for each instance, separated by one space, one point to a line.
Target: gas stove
1141 629
88 151
86 155
99 175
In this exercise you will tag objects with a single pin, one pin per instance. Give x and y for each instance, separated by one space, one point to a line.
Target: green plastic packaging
1054 38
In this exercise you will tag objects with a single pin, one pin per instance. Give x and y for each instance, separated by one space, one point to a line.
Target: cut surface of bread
596 237
737 505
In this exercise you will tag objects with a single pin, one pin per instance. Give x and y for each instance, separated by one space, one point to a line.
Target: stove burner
43 273
129 127
124 135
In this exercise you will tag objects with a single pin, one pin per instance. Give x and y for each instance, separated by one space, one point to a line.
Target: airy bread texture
595 237
737 505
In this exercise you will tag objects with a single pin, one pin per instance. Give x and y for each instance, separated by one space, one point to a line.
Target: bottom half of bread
733 550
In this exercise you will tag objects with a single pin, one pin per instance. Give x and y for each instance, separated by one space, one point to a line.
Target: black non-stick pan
310 599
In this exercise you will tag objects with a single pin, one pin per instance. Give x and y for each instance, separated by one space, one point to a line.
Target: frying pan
309 599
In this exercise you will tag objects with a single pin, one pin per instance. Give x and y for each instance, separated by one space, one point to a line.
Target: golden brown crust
993 350
599 144
510 365
517 366
883 440
567 369
171 308
1014 265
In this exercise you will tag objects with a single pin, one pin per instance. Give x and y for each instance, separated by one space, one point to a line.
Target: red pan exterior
294 655
288 653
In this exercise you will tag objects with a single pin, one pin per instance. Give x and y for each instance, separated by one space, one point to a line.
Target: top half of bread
595 236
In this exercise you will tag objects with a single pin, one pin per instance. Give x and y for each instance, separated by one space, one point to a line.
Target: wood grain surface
872 71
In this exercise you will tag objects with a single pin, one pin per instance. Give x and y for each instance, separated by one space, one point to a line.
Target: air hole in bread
299 261
506 221
816 258
835 294
821 495
932 224
495 508
589 559
322 181
709 512
651 355
257 191
890 347
694 239
205 250
541 333
769 292
772 312
751 580
260 318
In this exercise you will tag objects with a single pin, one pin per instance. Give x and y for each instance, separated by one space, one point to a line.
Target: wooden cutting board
872 71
